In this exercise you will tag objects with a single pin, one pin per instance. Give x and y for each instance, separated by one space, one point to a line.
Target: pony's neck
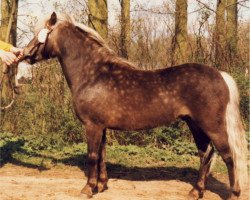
79 56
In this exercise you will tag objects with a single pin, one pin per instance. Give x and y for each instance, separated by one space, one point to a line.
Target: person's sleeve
5 46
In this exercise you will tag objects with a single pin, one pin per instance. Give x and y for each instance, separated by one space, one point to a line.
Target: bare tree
232 27
125 37
219 36
8 34
9 10
179 42
98 16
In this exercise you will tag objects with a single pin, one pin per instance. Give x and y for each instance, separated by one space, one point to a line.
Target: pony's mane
96 37
91 32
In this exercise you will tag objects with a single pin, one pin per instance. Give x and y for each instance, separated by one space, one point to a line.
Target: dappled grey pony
109 92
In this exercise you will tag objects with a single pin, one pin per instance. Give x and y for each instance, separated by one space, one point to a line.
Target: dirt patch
65 183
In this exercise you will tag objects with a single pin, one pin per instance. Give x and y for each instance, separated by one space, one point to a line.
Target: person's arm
5 46
9 54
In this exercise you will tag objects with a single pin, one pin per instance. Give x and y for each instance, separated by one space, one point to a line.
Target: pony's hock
109 92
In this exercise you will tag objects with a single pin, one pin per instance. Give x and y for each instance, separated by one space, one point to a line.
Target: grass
32 152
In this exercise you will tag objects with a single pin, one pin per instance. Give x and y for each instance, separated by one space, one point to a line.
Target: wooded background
43 110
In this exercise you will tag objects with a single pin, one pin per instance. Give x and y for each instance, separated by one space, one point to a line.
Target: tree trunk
231 38
219 37
125 37
98 16
7 11
179 42
8 28
8 34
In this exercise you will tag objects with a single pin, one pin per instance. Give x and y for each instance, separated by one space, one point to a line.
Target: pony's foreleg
94 137
206 153
102 171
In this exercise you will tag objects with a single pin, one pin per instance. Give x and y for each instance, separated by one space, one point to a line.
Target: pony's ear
53 19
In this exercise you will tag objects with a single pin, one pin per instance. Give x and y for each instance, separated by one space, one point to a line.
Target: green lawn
33 152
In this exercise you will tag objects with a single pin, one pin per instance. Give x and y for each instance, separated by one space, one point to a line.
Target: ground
66 182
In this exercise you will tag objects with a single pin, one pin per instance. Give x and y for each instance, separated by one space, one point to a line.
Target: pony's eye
42 35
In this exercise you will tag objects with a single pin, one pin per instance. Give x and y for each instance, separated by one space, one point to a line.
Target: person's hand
8 57
17 51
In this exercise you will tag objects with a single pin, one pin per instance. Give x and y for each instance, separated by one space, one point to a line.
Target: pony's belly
139 121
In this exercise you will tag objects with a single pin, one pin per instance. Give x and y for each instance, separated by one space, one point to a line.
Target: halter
42 38
42 35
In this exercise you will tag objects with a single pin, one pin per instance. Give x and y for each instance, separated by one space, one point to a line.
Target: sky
40 8
29 10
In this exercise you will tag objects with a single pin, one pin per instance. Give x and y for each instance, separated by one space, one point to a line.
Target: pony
110 92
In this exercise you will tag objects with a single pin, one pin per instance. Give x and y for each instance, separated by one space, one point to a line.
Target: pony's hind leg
221 143
232 155
102 171
206 154
94 138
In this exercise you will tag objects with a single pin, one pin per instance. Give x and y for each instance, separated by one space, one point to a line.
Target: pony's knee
92 158
200 185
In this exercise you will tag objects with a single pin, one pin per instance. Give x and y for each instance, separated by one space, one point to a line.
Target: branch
27 4
152 11
244 5
206 6
239 2
85 2
23 31
28 25
197 10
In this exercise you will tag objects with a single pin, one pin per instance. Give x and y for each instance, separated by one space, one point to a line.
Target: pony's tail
236 133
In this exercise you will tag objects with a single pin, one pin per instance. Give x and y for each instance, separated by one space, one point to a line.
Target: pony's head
43 44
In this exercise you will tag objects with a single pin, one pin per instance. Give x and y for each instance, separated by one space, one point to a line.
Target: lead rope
6 70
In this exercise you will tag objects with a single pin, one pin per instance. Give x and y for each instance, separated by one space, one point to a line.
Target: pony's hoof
233 197
87 192
194 194
101 187
84 196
